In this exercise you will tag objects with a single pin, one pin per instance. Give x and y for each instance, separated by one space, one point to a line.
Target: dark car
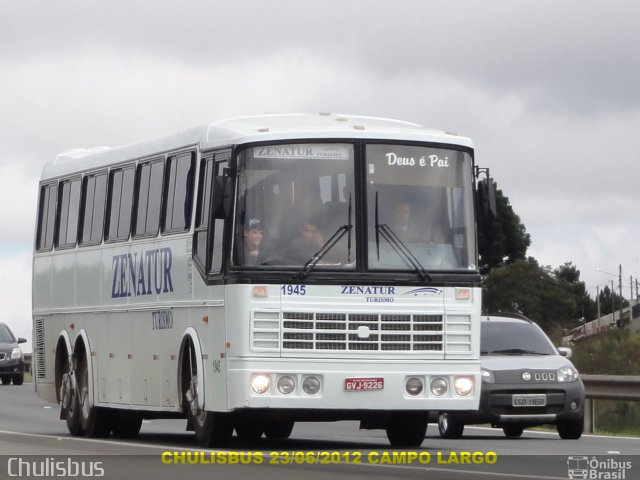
11 358
526 382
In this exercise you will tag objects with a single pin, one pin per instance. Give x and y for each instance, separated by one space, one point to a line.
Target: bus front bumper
383 385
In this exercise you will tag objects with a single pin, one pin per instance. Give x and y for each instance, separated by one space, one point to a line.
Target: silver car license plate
529 400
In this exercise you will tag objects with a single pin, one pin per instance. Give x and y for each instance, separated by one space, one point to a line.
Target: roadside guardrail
607 387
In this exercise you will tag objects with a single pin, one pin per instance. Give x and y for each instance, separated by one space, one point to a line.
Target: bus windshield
292 201
420 200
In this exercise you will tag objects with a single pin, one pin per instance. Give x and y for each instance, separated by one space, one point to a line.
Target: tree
524 287
610 299
568 277
503 240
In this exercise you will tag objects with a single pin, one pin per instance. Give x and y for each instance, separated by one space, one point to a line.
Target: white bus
260 271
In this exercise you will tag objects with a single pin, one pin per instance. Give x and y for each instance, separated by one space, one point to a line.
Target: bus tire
278 429
72 411
127 424
95 421
249 429
449 426
407 429
213 429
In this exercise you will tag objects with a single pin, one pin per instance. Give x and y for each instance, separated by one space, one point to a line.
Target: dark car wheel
6 380
18 380
449 426
571 429
513 431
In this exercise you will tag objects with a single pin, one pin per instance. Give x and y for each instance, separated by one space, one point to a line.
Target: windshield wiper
398 246
328 245
515 351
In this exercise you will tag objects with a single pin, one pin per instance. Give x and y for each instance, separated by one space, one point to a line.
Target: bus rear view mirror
222 196
487 198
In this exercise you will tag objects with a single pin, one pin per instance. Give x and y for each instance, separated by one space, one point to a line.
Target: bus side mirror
487 198
222 196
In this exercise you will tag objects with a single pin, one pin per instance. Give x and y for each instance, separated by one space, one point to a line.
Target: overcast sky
549 91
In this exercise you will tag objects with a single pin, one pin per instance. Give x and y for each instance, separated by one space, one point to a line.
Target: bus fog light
463 386
311 385
260 383
286 384
414 386
439 386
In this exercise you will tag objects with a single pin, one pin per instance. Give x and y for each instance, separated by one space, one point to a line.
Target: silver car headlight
16 353
487 376
567 374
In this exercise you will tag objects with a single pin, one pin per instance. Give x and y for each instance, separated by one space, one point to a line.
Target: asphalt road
30 429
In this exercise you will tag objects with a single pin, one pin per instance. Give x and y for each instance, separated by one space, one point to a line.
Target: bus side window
148 198
68 209
207 245
46 217
179 192
203 212
218 224
94 196
120 203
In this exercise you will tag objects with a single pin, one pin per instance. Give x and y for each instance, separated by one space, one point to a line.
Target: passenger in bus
253 242
307 243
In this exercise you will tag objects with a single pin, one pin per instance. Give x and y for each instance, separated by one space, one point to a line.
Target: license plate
530 400
363 384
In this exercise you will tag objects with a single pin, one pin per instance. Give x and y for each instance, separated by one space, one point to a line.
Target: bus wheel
70 403
126 424
279 429
249 428
407 429
95 421
213 429
449 426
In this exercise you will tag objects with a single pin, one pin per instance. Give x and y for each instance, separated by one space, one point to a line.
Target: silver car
526 382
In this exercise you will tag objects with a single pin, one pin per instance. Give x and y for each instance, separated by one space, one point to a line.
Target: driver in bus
403 226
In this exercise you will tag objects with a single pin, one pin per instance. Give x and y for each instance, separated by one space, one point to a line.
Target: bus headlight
311 385
286 384
260 383
463 386
414 386
439 386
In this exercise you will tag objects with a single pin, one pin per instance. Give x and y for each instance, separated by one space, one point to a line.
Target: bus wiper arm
517 351
329 244
324 249
398 246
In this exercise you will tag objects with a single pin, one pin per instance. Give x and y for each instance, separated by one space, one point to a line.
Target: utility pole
620 288
613 305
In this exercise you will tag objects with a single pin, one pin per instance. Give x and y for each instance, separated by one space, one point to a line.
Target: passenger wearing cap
253 235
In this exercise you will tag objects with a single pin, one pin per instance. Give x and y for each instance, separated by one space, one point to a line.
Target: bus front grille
293 331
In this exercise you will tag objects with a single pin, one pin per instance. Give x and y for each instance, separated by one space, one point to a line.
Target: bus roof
259 128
